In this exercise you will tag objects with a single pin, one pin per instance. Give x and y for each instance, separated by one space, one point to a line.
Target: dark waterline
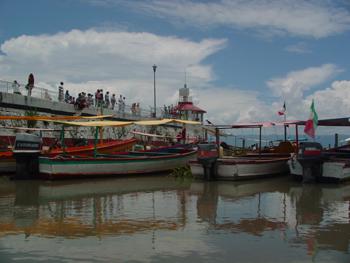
160 219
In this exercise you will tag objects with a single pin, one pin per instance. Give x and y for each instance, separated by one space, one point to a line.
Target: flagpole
285 119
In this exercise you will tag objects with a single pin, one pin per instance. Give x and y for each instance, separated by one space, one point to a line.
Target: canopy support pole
217 139
95 141
259 140
285 132
296 138
62 140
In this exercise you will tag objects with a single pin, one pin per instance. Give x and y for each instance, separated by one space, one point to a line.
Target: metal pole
336 140
285 132
95 141
259 140
62 140
217 140
154 91
297 138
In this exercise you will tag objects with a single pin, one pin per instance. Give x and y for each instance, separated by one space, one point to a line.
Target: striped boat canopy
126 123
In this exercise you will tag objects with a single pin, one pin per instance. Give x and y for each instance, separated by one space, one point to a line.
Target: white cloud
119 61
295 87
229 105
299 48
295 83
334 101
315 19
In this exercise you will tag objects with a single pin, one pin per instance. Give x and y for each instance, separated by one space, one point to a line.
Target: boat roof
335 122
246 125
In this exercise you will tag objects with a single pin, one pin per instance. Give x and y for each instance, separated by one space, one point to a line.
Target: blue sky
242 58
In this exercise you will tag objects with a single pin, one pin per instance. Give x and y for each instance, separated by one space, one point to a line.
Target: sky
241 59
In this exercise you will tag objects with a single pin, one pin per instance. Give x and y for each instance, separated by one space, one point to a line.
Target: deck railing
49 94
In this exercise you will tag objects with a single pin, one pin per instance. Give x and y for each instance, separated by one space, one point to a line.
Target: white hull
232 168
332 170
81 168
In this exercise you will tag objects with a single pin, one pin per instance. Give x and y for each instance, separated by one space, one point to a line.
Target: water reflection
167 219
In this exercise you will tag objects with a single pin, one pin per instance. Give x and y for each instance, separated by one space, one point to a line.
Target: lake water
160 219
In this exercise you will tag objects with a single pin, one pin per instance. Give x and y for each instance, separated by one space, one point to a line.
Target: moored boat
8 162
312 163
245 167
214 163
146 162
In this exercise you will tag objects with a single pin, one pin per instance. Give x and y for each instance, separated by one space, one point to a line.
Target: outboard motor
207 155
311 159
26 152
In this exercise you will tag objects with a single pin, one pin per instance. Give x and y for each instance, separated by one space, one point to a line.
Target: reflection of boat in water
7 162
75 209
62 190
314 215
236 190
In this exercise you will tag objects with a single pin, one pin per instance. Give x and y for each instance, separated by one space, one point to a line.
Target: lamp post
154 90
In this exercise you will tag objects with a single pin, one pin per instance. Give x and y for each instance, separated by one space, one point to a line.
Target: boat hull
333 170
61 168
244 168
8 162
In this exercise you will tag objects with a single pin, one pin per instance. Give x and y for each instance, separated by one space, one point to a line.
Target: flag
311 123
283 110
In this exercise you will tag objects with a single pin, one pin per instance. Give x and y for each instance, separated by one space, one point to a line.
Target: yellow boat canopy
126 123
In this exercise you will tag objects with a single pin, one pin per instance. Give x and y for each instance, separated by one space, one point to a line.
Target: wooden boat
8 162
214 163
312 163
143 162
321 166
244 167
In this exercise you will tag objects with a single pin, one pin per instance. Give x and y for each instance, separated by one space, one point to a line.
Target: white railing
48 94
8 87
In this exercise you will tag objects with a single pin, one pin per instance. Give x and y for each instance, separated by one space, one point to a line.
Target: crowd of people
169 111
98 100
83 100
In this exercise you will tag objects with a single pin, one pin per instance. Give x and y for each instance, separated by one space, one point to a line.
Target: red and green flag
311 123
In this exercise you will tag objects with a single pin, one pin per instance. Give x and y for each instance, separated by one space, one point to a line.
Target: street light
154 90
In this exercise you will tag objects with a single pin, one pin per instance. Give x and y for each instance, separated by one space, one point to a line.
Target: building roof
188 106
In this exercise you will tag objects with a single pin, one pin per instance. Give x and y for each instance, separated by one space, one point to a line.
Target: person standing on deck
113 101
120 103
60 92
123 105
66 96
15 87
30 84
107 100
